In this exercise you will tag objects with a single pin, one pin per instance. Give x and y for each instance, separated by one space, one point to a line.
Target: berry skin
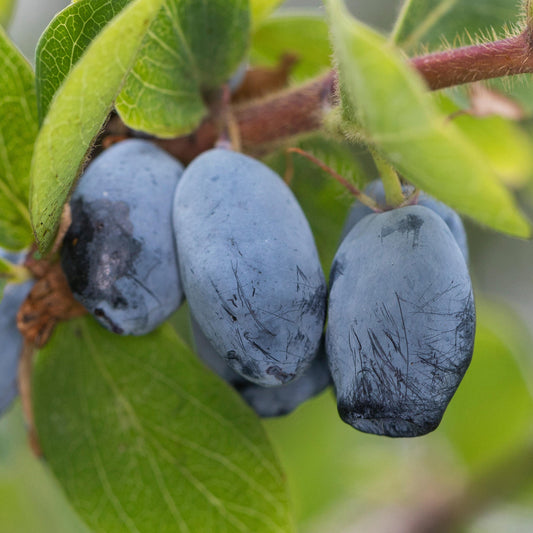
270 402
249 266
401 322
10 337
266 401
376 191
119 255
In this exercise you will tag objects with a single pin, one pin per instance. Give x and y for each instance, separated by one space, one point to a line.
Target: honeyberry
401 322
119 255
266 401
249 266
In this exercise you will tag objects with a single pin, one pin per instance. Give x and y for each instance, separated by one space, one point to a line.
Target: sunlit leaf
505 145
65 40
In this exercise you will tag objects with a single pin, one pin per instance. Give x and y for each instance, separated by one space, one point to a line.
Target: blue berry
401 322
119 255
249 266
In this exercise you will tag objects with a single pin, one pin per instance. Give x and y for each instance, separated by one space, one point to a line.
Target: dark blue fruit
10 341
249 266
270 402
401 322
212 358
119 255
376 191
266 401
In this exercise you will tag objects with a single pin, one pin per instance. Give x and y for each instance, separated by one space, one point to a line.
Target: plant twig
266 122
362 197
506 57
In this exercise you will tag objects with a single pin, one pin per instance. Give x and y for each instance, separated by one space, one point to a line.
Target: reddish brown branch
286 114
280 116
475 63
264 121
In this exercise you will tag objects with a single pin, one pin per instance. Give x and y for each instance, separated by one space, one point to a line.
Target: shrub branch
266 122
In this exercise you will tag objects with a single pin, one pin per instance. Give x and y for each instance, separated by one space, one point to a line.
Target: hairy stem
264 123
478 62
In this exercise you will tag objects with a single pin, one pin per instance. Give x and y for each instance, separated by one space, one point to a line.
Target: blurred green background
474 474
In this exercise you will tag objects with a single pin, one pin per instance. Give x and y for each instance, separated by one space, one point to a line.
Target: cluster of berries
228 234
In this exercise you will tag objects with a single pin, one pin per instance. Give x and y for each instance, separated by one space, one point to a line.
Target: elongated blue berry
249 266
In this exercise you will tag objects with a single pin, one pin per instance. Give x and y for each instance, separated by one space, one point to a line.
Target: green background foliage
6 11
18 129
433 23
284 34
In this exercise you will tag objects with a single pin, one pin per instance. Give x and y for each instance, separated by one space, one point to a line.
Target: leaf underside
386 103
144 438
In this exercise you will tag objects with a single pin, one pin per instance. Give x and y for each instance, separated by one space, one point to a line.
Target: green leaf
6 11
77 112
178 64
143 438
430 23
286 33
5 267
261 9
493 405
504 144
18 129
4 275
386 104
65 40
